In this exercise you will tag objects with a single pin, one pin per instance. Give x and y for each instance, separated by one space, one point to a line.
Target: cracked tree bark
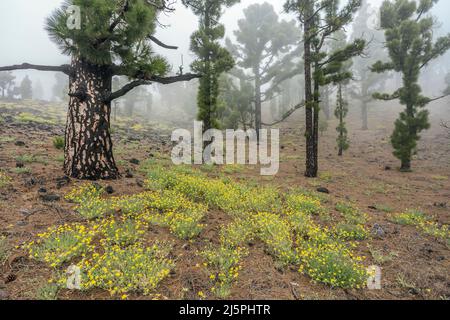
88 149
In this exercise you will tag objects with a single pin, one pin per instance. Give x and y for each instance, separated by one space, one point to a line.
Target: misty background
25 40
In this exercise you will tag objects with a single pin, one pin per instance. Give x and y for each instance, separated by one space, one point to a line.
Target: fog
25 40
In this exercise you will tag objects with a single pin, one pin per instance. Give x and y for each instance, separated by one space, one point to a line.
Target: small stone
109 190
19 143
378 231
323 190
10 278
22 223
128 174
135 161
140 183
62 181
25 212
50 197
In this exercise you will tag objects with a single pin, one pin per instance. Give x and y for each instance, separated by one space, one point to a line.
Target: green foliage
423 222
409 40
323 64
213 59
236 103
26 90
6 83
59 142
264 52
341 112
224 264
367 81
111 31
47 292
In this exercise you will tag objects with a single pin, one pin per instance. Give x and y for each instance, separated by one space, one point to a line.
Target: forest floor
415 264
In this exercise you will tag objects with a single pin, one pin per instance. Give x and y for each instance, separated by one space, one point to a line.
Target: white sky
23 38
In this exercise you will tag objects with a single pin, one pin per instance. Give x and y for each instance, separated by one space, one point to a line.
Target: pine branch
149 80
286 115
161 44
65 68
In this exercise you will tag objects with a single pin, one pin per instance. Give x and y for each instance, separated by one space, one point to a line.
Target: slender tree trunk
88 149
326 104
341 121
316 125
309 99
257 103
365 122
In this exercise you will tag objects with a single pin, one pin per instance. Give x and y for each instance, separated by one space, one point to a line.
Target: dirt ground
416 266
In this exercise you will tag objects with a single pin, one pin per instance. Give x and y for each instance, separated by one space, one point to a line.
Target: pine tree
338 43
341 112
320 21
115 38
265 46
6 83
447 82
237 100
26 88
38 90
409 39
213 59
60 90
367 82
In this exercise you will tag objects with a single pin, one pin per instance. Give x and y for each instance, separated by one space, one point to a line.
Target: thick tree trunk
309 99
88 149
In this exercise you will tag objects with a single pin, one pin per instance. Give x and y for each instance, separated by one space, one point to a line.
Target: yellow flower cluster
121 231
225 195
257 216
237 233
347 231
224 264
61 244
424 223
304 204
90 205
276 233
166 208
131 269
354 226
332 263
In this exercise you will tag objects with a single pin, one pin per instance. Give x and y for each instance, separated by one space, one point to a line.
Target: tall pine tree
26 88
263 50
367 82
114 38
320 20
409 38
213 59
